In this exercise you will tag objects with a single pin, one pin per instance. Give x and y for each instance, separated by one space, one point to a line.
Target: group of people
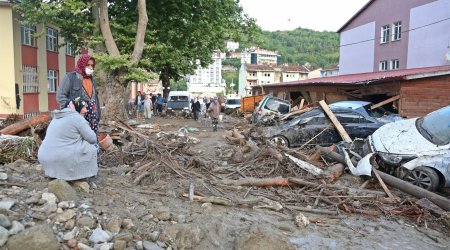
212 109
148 104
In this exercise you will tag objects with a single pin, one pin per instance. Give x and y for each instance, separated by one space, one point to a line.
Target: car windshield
435 126
377 112
179 99
277 106
233 101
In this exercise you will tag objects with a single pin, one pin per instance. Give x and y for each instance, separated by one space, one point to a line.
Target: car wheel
280 141
424 177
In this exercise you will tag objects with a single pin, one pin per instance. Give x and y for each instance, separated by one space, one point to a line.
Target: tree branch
141 28
110 43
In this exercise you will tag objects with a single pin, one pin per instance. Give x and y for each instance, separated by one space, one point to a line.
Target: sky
320 15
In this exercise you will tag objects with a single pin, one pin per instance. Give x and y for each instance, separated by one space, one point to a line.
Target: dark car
314 127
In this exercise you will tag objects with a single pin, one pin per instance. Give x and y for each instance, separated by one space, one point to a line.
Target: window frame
397 31
385 63
27 33
51 39
385 34
52 80
69 49
395 64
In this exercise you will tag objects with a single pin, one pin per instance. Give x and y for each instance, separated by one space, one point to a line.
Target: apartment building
260 56
208 79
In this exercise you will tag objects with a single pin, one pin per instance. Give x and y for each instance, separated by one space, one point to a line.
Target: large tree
134 37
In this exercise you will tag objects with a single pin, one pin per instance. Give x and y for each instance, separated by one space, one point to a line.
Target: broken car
270 105
419 146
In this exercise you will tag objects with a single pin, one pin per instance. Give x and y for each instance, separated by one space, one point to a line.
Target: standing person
207 104
148 107
153 97
214 112
139 102
196 107
80 83
159 103
69 150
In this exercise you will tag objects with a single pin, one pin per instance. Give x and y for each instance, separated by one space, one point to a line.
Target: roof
272 67
355 15
372 77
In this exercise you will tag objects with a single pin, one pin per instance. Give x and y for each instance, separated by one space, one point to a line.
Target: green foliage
235 62
180 85
107 63
231 77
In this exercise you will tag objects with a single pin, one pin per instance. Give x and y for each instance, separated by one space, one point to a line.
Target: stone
126 236
99 235
301 220
113 225
120 245
127 224
39 168
62 190
67 215
154 236
34 238
181 218
260 238
59 210
5 221
3 176
104 246
49 198
139 245
50 208
82 246
72 243
151 246
86 221
16 228
69 224
63 204
162 213
7 204
3 236
72 234
82 185
32 200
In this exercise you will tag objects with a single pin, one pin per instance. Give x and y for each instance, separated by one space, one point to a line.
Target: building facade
31 68
394 35
259 56
209 79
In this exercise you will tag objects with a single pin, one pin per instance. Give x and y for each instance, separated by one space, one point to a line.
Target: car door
351 121
315 130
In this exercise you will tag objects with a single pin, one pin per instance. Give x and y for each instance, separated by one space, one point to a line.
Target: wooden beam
335 121
385 102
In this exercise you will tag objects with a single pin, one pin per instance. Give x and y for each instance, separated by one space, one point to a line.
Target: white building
259 56
232 46
209 79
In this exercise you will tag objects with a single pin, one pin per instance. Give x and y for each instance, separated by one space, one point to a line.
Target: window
30 79
348 118
52 39
385 30
27 34
395 64
383 66
52 76
69 49
396 31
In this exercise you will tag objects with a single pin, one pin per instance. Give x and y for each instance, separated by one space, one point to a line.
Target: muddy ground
157 205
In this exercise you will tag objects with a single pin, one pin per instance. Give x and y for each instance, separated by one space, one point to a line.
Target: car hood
401 137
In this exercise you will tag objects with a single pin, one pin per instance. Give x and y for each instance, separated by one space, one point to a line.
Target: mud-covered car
365 108
315 128
415 149
270 105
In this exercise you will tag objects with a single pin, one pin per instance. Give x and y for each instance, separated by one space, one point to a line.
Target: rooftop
273 67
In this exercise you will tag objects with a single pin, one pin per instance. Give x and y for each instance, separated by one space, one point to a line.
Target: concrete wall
7 80
427 46
357 58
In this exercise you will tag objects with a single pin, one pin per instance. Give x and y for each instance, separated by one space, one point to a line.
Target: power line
376 38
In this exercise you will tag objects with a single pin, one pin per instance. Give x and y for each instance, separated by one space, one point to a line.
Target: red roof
372 77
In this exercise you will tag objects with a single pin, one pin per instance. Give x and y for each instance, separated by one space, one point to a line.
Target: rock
72 243
301 220
151 246
161 244
154 236
20 163
186 235
258 238
50 208
127 224
120 245
32 200
69 225
72 234
181 218
207 206
62 190
113 225
39 168
49 198
63 204
59 210
139 245
99 235
38 216
67 215
3 176
86 221
7 204
104 246
161 213
3 236
127 237
5 221
82 185
82 246
16 228
35 238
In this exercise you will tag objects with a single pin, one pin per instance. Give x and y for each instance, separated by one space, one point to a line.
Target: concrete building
31 68
232 45
331 71
209 79
394 35
260 56
251 75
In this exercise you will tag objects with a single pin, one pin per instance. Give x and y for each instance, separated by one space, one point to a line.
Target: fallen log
395 182
312 210
305 165
335 121
334 172
25 124
256 182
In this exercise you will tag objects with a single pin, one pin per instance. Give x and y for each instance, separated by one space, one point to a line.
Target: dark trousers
196 115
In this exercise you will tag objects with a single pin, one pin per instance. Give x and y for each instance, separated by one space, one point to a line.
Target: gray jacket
68 151
71 87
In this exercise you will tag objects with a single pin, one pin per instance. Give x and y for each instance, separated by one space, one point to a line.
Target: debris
385 102
22 125
34 238
62 190
301 220
430 206
335 121
306 166
333 172
14 148
99 235
385 188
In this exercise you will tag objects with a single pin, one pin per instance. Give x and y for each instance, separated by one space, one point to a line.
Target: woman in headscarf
80 83
69 150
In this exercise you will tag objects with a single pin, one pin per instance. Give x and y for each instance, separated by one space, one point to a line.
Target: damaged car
315 128
416 150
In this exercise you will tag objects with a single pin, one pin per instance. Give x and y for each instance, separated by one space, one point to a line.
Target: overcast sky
318 15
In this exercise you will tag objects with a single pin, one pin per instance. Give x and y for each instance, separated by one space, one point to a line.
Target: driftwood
335 121
305 165
265 182
20 126
334 172
297 112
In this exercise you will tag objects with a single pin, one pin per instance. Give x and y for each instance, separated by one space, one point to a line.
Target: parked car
365 107
232 104
413 145
179 102
315 128
270 105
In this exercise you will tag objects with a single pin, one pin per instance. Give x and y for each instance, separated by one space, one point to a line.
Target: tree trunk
165 81
110 43
116 101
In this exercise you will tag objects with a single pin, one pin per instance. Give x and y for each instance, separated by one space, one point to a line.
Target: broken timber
20 126
335 121
385 102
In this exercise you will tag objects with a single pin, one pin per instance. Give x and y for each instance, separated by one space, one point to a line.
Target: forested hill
296 47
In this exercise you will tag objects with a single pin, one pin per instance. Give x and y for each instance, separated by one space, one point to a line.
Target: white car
421 146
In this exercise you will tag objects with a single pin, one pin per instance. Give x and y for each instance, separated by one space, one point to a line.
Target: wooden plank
385 102
335 121
302 102
385 188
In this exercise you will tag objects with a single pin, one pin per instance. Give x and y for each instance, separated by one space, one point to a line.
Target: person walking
214 112
207 104
153 97
148 107
196 107
139 103
159 103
